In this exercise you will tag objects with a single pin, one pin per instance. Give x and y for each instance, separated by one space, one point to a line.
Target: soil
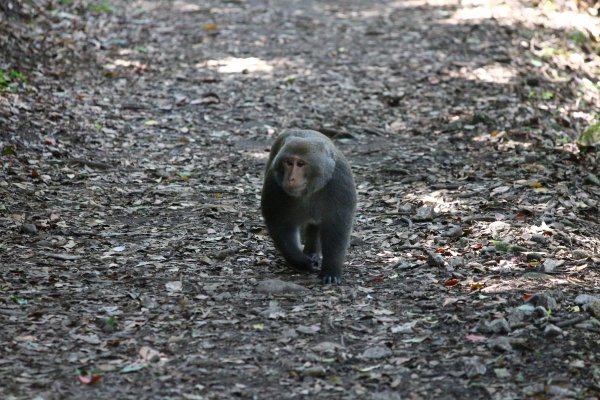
134 260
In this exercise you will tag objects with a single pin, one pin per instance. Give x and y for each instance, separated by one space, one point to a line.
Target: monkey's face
295 179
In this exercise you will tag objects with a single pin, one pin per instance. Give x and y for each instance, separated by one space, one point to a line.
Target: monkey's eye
300 164
289 163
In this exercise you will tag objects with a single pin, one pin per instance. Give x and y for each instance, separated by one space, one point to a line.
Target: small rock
454 231
376 352
580 254
404 328
538 238
488 251
148 302
584 299
474 366
499 325
456 262
534 256
29 229
223 296
501 343
315 372
425 213
594 309
435 260
308 330
276 286
561 392
498 228
502 373
289 333
551 264
552 331
517 317
540 312
543 300
327 347
273 311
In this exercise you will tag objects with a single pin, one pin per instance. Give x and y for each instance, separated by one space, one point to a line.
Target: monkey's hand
315 261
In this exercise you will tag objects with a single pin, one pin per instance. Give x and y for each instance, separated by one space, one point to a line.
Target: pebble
551 264
498 228
425 213
474 366
276 286
552 331
541 239
584 299
580 254
499 325
501 343
543 300
29 229
594 309
454 231
456 262
377 352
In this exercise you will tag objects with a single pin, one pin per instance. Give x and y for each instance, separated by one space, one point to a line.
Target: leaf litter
135 262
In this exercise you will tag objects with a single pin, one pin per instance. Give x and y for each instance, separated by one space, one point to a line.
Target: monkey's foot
332 279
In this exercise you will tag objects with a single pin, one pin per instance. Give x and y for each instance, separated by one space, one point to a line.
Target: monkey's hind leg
312 245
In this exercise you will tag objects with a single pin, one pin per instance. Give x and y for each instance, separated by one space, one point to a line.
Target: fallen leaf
475 338
451 282
89 379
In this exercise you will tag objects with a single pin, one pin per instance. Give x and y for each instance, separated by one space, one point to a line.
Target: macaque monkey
309 195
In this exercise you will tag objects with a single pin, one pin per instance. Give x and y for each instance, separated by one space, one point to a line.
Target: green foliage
101 7
9 150
9 81
590 137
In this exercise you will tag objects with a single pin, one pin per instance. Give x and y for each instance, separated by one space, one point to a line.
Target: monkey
308 194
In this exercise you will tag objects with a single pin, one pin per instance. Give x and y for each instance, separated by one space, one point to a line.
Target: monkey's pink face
295 176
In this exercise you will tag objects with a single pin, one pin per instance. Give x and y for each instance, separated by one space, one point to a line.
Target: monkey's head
302 166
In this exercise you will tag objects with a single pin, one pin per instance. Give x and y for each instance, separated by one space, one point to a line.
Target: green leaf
19 300
133 368
16 75
101 8
590 137
111 324
547 95
9 150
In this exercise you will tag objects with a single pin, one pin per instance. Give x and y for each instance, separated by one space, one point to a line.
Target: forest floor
134 260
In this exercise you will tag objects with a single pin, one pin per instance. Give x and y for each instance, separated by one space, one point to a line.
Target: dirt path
475 256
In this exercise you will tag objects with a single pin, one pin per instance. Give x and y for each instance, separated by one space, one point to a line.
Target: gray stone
584 299
474 366
276 286
501 343
580 254
594 309
425 213
376 352
543 300
29 229
552 331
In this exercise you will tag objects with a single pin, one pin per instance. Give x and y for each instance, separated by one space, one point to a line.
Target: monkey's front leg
334 242
286 239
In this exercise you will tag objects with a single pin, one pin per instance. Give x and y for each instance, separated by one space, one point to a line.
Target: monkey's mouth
295 191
